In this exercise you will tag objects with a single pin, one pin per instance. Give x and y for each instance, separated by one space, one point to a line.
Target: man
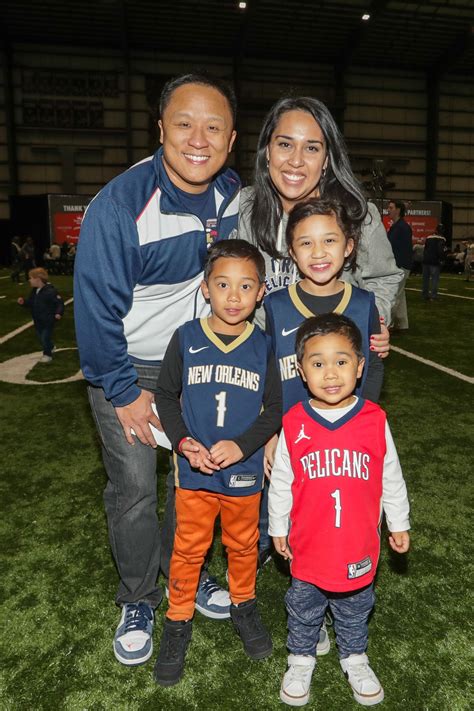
433 257
400 237
143 243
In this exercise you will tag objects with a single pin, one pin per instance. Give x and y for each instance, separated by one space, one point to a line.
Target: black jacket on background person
45 303
400 237
435 250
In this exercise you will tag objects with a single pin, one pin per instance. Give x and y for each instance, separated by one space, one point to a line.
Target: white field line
443 368
12 334
4 277
413 356
455 296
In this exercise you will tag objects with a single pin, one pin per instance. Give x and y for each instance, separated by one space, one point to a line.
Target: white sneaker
366 687
295 686
45 359
324 645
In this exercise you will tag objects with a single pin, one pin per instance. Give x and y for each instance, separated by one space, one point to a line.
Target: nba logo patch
356 570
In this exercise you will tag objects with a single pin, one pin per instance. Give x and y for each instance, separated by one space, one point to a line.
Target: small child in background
46 306
335 467
219 401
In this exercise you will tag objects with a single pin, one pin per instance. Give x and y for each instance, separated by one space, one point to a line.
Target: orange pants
196 512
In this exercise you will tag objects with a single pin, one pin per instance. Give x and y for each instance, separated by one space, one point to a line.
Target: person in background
28 253
400 237
433 257
46 307
55 251
17 259
469 260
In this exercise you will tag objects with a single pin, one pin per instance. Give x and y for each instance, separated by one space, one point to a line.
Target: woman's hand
380 342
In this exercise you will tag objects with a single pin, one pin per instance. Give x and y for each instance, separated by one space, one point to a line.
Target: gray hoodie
376 269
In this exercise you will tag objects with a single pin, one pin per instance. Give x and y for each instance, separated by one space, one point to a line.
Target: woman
300 154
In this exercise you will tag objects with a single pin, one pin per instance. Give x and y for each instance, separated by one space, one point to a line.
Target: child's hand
399 541
225 452
20 300
198 456
269 455
380 342
282 547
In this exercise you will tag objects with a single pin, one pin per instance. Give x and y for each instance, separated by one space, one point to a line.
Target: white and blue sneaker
324 644
212 600
133 643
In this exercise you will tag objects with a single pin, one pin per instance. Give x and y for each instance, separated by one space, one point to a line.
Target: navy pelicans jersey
337 494
285 314
222 395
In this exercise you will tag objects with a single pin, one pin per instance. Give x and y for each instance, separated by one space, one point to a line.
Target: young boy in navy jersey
335 467
217 375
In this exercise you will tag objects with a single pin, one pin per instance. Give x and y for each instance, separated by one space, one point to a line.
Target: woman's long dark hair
338 182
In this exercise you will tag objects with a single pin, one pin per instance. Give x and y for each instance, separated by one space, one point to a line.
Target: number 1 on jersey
221 408
337 506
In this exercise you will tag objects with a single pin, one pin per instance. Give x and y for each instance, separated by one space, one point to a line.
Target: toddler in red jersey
336 468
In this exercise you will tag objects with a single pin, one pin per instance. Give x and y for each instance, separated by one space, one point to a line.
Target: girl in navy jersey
336 468
322 240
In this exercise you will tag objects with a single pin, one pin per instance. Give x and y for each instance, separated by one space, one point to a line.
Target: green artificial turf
58 578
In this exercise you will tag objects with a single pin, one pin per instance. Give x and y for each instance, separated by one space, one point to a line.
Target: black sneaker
255 637
169 666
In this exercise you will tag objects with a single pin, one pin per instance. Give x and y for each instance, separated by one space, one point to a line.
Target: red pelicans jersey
337 495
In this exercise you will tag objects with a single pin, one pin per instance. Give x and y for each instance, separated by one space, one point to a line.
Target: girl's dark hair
324 325
235 249
314 206
203 79
338 182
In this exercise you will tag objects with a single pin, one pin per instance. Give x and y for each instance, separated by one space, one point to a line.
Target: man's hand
225 452
20 300
269 455
198 456
399 541
138 416
282 547
57 316
380 342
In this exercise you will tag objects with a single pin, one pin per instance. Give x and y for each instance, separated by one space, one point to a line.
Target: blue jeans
44 331
430 271
306 605
130 499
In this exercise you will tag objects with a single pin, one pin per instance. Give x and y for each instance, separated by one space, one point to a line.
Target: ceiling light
366 16
242 5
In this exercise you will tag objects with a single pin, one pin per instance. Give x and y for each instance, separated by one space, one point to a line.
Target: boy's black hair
235 249
314 206
324 325
205 80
